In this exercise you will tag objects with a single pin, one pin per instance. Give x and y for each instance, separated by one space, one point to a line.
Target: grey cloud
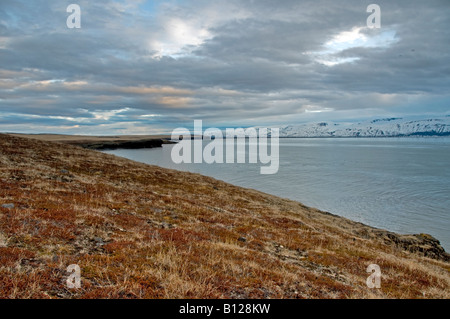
258 63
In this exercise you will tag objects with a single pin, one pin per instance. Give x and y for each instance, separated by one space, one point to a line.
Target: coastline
374 190
89 207
103 142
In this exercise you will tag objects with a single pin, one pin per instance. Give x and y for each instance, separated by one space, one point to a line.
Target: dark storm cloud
137 64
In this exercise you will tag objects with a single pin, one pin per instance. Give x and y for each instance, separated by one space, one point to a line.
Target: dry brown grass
140 231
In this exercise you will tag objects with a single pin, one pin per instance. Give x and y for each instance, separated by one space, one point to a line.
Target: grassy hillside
140 231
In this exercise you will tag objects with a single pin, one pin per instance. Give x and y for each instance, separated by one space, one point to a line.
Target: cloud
137 66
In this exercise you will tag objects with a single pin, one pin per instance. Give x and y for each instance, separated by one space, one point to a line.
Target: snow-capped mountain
387 127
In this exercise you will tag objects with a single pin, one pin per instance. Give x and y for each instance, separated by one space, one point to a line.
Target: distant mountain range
387 127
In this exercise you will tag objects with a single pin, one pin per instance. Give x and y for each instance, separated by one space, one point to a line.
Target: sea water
398 184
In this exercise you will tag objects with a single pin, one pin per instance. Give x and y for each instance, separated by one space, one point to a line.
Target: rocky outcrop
421 244
108 145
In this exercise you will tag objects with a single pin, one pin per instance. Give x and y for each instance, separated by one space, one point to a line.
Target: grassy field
141 231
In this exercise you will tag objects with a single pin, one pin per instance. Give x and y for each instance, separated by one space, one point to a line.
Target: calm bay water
399 184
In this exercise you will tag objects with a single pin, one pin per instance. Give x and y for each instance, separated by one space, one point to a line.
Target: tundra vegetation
141 231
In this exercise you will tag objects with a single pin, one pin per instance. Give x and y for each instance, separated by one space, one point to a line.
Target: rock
2 241
99 241
64 171
156 210
10 205
167 225
422 244
302 253
242 239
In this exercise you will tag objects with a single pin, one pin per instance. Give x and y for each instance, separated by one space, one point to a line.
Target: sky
147 67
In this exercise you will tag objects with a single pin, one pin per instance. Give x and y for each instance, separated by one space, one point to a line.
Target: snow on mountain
388 127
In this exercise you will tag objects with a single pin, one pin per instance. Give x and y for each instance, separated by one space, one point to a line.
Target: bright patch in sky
178 35
316 109
106 115
331 61
357 37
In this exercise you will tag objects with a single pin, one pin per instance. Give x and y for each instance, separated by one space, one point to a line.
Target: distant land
382 127
385 127
103 142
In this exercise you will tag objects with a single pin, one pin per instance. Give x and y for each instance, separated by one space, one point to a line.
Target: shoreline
74 205
369 211
103 142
